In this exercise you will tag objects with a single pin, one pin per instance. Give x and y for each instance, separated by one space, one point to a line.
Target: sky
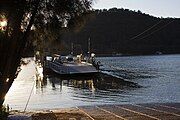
158 8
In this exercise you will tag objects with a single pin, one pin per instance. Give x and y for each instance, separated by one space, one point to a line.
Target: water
159 77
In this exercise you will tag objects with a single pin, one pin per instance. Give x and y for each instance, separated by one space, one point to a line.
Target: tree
23 16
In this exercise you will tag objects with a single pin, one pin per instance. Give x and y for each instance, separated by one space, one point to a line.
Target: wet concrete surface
154 111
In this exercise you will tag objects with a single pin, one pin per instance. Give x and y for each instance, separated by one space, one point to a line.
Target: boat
72 65
69 65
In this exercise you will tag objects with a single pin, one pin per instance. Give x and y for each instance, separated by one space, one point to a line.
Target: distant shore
119 55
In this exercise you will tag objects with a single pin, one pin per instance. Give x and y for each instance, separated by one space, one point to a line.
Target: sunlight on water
159 77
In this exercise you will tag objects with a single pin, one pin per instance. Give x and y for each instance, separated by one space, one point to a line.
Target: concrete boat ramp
168 111
153 111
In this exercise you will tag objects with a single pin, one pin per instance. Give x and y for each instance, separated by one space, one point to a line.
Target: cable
29 98
156 30
146 30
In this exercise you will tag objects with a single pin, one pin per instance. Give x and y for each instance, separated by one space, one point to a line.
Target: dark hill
119 31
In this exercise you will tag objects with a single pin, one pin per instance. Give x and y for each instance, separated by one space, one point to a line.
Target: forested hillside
128 32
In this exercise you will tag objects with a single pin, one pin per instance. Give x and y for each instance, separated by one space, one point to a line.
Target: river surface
158 76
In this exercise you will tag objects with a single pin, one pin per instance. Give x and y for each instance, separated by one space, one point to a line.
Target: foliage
4 112
118 31
51 15
43 18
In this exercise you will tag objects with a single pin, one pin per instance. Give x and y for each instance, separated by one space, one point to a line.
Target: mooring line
158 110
143 114
85 113
111 113
29 97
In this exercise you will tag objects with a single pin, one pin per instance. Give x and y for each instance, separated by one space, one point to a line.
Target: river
158 76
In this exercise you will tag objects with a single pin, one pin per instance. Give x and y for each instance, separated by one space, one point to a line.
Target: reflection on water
53 91
158 75
99 81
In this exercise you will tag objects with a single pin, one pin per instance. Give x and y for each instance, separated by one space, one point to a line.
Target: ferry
69 65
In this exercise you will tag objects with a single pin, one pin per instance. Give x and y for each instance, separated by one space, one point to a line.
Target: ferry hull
72 68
